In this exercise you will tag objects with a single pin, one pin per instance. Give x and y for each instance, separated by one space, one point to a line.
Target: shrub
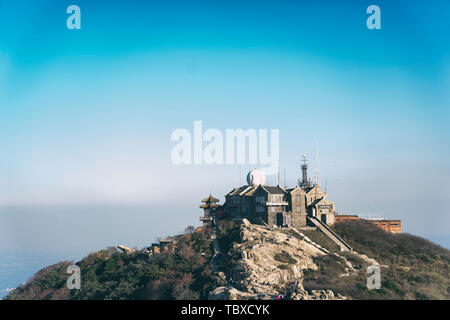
284 257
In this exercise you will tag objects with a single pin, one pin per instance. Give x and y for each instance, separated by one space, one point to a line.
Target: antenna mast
316 166
305 182
278 175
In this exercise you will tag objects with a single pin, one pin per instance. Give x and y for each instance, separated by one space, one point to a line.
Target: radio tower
316 166
278 175
305 182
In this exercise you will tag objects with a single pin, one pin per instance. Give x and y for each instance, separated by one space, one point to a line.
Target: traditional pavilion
209 207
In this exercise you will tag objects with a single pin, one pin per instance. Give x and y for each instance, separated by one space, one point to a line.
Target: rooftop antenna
278 176
304 183
316 166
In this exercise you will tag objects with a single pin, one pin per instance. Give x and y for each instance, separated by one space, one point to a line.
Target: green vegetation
415 268
182 272
228 233
285 257
47 284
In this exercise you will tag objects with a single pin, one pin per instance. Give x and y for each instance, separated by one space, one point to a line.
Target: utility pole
316 166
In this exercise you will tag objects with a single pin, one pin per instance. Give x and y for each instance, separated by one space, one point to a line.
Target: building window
274 221
260 199
298 209
276 198
272 209
297 198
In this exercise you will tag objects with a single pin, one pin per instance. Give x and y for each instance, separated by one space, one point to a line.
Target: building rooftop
209 205
274 190
210 199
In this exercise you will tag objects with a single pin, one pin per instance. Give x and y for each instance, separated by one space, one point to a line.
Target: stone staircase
330 233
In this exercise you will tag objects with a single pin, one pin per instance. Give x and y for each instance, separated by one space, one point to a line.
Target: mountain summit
239 260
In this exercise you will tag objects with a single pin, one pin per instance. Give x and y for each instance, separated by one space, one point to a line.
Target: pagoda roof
210 199
209 205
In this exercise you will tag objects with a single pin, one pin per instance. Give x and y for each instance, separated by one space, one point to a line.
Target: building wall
328 218
345 218
254 207
274 214
313 194
259 212
325 211
257 207
297 207
393 226
319 206
232 206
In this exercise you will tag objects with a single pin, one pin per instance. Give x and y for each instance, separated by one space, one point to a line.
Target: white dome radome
256 177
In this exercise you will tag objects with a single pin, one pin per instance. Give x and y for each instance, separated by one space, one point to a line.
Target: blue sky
86 115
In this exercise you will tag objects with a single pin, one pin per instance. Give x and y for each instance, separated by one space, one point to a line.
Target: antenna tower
305 182
316 166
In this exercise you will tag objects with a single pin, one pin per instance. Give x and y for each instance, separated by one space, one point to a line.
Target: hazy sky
86 115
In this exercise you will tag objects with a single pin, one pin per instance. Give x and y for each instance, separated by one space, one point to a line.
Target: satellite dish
256 177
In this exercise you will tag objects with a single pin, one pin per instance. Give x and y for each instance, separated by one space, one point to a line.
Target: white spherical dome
256 177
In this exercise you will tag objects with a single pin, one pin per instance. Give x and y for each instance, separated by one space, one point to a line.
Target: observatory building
278 206
275 206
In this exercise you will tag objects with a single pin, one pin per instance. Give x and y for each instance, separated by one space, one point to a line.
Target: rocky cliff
271 263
